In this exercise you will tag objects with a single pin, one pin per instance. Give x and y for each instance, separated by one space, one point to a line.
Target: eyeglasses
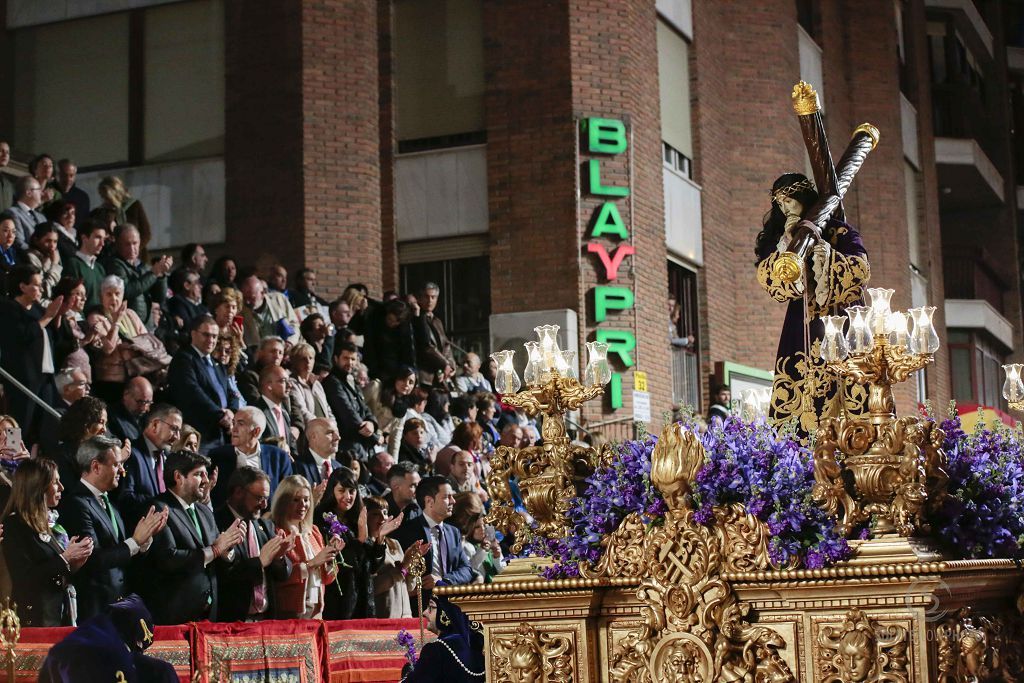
175 429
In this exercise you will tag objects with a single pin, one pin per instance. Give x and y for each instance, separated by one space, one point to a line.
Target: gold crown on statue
789 190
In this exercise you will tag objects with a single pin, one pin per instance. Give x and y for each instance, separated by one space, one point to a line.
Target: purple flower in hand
406 640
334 525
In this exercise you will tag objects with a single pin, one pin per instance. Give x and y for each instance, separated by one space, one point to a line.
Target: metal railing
28 392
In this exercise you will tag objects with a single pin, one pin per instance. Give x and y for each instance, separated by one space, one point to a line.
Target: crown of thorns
790 190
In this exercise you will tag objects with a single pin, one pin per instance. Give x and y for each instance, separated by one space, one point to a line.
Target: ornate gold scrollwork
695 630
861 650
545 473
527 656
972 648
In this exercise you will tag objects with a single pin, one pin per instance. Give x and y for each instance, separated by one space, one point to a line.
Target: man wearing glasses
28 196
144 471
124 420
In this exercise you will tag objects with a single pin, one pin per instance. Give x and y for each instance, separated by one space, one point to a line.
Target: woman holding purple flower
341 514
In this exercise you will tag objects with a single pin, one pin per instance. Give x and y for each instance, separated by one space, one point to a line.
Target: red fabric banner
356 651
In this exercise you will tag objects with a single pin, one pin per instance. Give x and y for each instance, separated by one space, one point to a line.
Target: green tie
195 521
108 508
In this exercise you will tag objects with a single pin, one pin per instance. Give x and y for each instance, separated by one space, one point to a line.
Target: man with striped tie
88 511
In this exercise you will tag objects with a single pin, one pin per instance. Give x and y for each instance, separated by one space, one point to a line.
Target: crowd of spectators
223 440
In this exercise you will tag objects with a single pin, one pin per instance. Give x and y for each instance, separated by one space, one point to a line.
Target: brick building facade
393 142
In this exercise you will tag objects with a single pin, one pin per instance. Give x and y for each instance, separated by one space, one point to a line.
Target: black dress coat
181 588
236 581
40 577
101 580
356 599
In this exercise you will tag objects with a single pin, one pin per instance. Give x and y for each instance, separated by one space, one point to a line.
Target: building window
438 73
976 369
683 327
171 57
464 303
677 161
807 15
674 90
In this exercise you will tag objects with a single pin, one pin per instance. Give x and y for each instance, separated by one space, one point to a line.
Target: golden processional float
697 602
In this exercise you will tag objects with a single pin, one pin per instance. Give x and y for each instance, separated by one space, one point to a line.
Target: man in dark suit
269 353
199 385
67 174
378 466
403 478
356 424
446 559
246 585
71 385
273 400
317 459
86 510
28 197
124 418
144 471
244 450
182 563
433 349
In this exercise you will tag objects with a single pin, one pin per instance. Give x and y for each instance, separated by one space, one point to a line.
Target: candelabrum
1013 387
10 632
544 473
879 468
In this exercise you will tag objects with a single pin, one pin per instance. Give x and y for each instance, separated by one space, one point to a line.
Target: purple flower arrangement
771 475
983 515
751 464
334 525
613 492
406 640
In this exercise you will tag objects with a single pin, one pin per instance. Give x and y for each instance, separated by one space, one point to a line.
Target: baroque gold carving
527 656
879 467
695 629
545 473
978 648
860 650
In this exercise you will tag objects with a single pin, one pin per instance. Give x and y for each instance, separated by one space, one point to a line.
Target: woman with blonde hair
39 555
301 595
304 388
126 208
188 440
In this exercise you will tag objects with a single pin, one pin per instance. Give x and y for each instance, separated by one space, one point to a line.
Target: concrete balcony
967 177
977 314
968 22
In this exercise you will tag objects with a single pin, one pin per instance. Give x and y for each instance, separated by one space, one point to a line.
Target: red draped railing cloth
356 651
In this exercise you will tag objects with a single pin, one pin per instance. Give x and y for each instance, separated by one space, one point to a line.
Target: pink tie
282 429
259 593
160 486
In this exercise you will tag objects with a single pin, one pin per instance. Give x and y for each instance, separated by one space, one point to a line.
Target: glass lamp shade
506 381
858 337
897 328
923 338
1013 387
534 364
567 367
833 346
547 337
598 372
878 317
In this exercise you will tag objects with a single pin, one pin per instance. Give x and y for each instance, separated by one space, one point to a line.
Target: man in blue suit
446 559
244 450
144 471
199 385
86 510
317 459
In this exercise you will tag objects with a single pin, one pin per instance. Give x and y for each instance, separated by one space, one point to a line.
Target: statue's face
857 662
790 206
522 675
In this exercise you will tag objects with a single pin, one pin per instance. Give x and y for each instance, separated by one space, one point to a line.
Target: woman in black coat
363 556
40 558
